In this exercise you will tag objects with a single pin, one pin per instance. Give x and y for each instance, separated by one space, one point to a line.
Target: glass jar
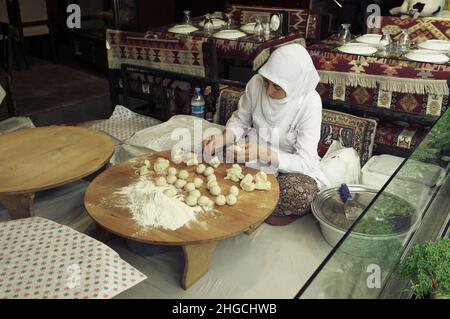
187 17
345 36
404 41
258 30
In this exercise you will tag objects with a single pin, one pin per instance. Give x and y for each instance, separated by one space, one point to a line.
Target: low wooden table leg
19 206
197 260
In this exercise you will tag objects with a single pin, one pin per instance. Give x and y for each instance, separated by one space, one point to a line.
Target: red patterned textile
426 104
419 29
165 52
299 19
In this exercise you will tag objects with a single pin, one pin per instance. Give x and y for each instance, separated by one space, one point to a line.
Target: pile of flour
150 207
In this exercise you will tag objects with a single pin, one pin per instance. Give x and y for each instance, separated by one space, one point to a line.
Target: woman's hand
209 145
251 152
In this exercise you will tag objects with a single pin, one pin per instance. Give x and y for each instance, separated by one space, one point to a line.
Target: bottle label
198 110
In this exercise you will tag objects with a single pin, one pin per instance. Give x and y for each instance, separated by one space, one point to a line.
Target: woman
281 102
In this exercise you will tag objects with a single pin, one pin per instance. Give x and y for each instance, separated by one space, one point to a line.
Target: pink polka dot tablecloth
40 259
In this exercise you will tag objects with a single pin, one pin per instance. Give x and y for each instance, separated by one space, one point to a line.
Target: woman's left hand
251 152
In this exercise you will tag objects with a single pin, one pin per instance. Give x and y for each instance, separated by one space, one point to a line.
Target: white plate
357 48
435 45
371 39
217 23
183 29
229 34
427 56
249 27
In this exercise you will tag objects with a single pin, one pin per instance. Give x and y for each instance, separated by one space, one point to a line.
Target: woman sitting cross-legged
282 112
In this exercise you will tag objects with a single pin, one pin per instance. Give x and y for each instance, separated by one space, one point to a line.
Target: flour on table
150 207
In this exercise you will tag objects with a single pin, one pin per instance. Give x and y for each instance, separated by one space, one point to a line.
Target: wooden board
105 208
36 159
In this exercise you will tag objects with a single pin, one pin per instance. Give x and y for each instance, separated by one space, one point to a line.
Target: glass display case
412 208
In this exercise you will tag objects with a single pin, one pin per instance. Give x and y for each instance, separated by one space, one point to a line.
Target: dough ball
171 192
147 163
172 171
200 169
161 165
235 173
263 185
208 171
248 187
198 182
211 178
143 171
215 191
231 200
191 201
248 179
192 159
171 179
204 201
180 183
211 184
183 175
221 200
177 156
215 162
189 187
195 193
234 190
161 181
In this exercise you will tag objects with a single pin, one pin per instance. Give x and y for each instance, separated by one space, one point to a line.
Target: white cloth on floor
273 262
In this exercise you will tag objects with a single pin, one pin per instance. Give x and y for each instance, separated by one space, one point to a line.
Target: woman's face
273 90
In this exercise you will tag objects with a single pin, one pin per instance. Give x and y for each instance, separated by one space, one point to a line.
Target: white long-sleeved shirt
298 132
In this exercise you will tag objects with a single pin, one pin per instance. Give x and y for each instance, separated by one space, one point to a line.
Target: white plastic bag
341 165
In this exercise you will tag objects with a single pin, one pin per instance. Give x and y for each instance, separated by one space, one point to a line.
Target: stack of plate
436 45
229 34
427 56
358 48
217 23
183 29
371 39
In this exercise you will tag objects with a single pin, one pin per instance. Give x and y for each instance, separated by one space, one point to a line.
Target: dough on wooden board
171 192
200 169
221 200
171 179
180 183
247 183
195 193
215 162
189 187
215 191
261 182
183 174
234 190
161 181
211 184
235 173
231 200
212 177
208 171
198 182
172 171
191 201
161 165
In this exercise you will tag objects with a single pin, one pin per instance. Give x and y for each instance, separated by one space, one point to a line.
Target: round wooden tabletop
106 208
36 159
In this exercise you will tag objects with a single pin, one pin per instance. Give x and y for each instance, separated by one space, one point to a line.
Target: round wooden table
37 159
199 239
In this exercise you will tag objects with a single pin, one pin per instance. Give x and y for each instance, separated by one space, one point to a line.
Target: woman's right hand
209 145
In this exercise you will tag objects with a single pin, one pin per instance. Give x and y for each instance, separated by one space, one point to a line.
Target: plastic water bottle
198 104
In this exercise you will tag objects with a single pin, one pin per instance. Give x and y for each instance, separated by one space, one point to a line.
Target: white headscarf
291 68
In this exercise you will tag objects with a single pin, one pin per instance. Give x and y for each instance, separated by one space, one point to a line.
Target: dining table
384 79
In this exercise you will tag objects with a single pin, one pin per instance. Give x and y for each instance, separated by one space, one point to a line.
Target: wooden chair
30 18
5 67
161 69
